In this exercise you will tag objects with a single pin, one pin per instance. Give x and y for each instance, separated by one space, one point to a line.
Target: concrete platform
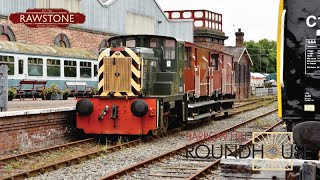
29 104
39 106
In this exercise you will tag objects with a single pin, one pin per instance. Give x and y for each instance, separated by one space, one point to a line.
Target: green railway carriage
54 64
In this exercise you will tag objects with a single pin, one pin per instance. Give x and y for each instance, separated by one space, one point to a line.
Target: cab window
131 43
116 43
169 49
154 43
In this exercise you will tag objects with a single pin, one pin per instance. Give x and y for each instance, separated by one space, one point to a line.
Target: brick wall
26 132
208 43
243 85
45 36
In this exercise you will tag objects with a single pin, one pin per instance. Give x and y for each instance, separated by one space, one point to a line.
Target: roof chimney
239 38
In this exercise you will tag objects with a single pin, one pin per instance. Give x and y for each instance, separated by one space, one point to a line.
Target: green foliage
12 92
66 92
94 91
53 89
263 54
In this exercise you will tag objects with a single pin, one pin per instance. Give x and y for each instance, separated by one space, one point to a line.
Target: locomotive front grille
117 74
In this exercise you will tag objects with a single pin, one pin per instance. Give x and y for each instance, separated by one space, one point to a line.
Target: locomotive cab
139 87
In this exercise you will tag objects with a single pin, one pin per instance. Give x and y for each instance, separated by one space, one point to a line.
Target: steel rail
215 163
40 151
79 159
135 167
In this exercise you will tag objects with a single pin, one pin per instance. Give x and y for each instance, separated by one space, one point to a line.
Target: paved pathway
29 104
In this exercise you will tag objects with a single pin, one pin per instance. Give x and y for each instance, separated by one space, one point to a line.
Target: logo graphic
277 151
47 18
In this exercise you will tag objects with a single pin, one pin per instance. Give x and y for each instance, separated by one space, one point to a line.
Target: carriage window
85 69
35 67
95 70
70 68
20 66
131 43
9 61
169 49
53 67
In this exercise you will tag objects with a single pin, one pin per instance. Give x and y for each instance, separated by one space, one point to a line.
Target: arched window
6 33
103 44
62 40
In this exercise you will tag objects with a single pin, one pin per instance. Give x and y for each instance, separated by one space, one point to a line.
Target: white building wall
113 17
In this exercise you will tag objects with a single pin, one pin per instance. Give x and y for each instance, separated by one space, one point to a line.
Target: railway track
174 164
256 99
249 103
86 156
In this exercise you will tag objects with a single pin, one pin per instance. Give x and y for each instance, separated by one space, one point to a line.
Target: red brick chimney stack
239 38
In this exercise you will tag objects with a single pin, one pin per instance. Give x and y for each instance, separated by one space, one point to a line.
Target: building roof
257 75
21 48
237 52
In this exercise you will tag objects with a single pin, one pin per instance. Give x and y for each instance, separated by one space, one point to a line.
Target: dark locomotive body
299 70
148 84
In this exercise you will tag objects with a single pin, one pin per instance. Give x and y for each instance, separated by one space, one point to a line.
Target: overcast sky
256 18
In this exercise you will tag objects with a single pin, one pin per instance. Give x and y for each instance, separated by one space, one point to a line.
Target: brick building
207 27
104 18
69 37
242 64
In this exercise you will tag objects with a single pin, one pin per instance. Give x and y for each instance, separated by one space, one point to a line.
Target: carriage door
21 67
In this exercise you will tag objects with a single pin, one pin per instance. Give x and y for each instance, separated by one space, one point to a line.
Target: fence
3 88
264 91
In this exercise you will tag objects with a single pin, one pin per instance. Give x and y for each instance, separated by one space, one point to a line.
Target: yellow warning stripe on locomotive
115 73
279 58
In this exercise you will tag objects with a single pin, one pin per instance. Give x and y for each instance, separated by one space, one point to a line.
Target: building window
6 33
53 67
35 67
62 40
9 61
85 69
70 68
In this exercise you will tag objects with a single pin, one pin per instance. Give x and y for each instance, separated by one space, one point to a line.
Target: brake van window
9 61
35 67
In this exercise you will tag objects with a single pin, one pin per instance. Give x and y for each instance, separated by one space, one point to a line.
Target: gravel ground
36 161
106 164
236 137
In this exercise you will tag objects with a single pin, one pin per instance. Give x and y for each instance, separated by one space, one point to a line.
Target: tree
263 54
